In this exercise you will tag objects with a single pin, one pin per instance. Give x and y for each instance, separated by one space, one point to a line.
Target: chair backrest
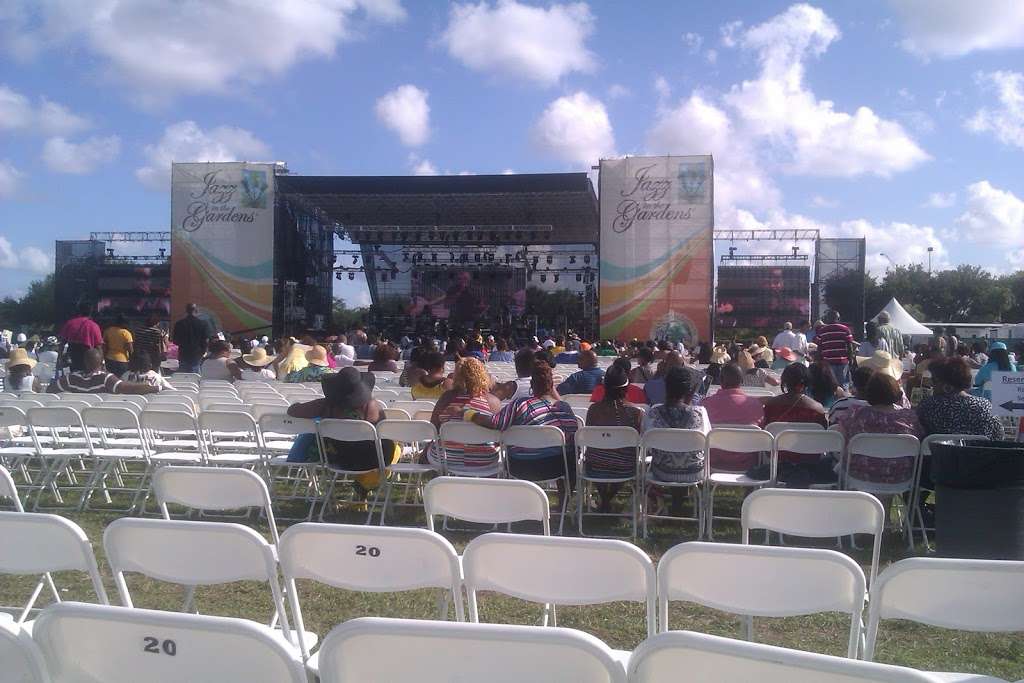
219 406
21 657
673 440
55 415
607 437
468 433
140 401
227 421
816 514
11 416
556 570
775 428
9 490
740 440
731 578
167 419
486 501
441 652
407 431
926 442
282 423
412 406
118 645
349 430
711 659
886 447
213 488
968 595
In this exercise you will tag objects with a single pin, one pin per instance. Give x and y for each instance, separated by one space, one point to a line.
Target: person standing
892 335
117 346
192 335
834 341
81 333
786 338
151 340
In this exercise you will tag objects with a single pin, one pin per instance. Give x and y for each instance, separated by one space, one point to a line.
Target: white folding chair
412 406
536 437
456 434
9 490
672 441
966 595
22 660
95 399
117 645
192 554
486 501
808 442
213 488
776 428
732 578
413 437
713 659
755 442
62 447
120 452
864 447
18 452
378 560
39 544
279 431
230 438
229 407
352 431
605 438
816 514
554 570
442 652
172 435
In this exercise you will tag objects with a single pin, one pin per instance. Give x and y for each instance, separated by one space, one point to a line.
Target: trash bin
979 499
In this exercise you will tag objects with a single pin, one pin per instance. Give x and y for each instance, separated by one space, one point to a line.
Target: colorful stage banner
222 242
657 216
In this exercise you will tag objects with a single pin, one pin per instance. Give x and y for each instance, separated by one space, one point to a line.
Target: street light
930 250
887 258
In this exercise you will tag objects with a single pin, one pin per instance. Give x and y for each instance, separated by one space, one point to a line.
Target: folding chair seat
22 660
18 448
396 414
218 406
554 570
117 645
713 659
213 489
536 437
456 434
441 652
230 438
173 435
63 448
39 544
352 431
605 438
486 501
895 449
758 444
279 431
413 437
412 406
40 398
732 578
95 399
966 595
356 558
671 441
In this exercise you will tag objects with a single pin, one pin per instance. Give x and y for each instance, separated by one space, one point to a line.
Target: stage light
556 277
433 258
355 260
579 277
572 259
536 260
586 259
543 278
351 276
338 275
405 257
451 255
550 259
476 257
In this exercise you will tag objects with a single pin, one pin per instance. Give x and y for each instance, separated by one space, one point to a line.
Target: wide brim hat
348 387
20 357
720 357
882 361
317 356
258 358
755 351
785 353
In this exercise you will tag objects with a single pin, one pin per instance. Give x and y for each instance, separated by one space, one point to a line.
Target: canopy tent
903 321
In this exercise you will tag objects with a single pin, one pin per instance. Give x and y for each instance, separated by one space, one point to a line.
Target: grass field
621 625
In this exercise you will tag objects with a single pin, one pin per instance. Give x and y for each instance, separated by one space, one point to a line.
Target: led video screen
762 297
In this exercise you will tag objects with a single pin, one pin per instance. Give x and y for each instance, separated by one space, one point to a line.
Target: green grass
621 625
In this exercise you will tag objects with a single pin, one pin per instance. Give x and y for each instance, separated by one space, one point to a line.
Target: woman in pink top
81 334
729 405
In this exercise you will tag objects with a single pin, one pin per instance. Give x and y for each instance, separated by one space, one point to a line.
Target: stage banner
657 216
222 242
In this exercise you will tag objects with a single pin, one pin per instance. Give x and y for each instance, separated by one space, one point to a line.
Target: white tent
903 321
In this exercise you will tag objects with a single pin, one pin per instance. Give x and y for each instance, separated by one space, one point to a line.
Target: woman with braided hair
612 411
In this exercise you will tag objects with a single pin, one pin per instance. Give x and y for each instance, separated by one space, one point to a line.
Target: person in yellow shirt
117 346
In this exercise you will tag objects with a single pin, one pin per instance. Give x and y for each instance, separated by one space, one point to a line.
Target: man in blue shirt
586 378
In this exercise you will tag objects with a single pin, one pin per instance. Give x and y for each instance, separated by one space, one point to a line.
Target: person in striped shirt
470 389
834 341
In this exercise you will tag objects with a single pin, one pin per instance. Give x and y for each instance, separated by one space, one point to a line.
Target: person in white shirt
788 338
344 353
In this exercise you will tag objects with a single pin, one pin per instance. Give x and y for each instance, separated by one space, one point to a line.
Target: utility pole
930 250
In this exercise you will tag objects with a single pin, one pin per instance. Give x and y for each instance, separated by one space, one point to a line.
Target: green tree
34 311
345 318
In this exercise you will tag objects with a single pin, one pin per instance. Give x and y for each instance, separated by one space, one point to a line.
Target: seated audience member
729 405
634 394
860 382
612 411
519 387
644 370
754 376
501 353
431 382
412 370
96 380
823 387
316 367
881 416
218 363
950 409
677 413
793 404
291 356
19 372
383 358
141 371
470 390
998 361
586 378
761 350
979 355
344 353
655 387
254 365
543 407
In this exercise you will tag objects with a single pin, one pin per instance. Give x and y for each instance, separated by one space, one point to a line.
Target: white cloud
79 158
940 200
952 28
48 118
617 91
693 41
186 141
575 128
711 56
727 32
422 166
993 216
519 40
904 243
8 179
823 202
405 111
56 119
160 49
1006 121
31 259
15 110
662 87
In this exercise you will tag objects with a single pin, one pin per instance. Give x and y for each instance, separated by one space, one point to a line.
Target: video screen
135 292
762 297
464 295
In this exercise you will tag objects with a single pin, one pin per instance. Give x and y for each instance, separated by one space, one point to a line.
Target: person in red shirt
81 333
834 341
634 394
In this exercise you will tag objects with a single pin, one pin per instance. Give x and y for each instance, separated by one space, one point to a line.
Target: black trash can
979 499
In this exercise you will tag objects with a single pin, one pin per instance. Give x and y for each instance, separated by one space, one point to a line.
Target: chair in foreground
412 436
535 438
892 449
759 581
119 645
371 650
349 431
22 660
967 595
713 659
756 445
605 438
671 441
486 501
279 432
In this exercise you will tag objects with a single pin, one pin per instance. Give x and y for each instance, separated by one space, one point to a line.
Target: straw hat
719 356
745 360
258 358
883 362
317 356
20 357
755 351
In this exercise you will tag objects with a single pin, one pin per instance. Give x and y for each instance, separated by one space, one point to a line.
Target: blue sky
900 121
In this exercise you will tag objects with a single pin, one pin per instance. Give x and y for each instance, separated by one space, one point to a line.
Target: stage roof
565 201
